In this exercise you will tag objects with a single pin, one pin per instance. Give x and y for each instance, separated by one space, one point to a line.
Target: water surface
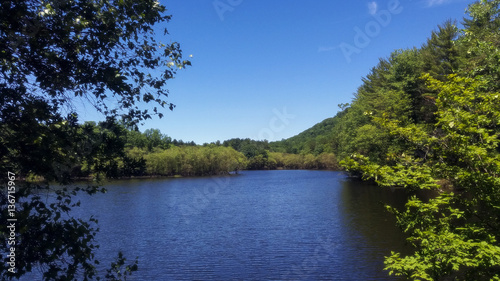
258 225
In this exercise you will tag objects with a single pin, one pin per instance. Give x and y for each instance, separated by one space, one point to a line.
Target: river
257 225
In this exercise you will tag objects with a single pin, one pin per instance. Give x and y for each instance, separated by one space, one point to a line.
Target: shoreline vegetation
232 173
111 150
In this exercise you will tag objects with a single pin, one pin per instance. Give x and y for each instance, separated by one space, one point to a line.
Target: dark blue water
258 225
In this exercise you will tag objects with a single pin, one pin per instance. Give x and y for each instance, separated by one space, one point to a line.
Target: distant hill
316 139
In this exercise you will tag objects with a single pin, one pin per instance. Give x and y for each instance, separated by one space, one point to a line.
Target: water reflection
259 225
371 227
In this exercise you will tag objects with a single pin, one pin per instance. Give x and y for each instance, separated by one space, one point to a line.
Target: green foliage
52 54
117 273
395 89
43 220
448 244
194 161
449 144
314 140
279 160
441 54
455 234
63 49
385 92
250 148
407 173
481 41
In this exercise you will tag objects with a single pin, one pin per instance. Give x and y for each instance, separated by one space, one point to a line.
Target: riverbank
146 177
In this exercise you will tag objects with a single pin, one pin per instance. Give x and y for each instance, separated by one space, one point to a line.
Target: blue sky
272 69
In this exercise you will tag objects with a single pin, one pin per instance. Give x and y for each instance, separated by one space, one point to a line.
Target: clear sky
272 69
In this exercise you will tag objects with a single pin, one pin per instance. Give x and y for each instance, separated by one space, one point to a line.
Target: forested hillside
314 140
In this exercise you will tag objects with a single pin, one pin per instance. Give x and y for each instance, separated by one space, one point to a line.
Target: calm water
258 225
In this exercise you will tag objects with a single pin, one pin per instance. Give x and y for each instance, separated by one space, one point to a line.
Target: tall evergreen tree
482 42
440 54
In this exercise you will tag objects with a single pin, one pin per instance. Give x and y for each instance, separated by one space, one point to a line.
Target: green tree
154 138
455 234
441 54
194 161
53 52
136 139
61 49
481 41
327 161
386 90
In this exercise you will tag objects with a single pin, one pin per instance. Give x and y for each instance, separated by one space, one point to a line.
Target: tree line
126 152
